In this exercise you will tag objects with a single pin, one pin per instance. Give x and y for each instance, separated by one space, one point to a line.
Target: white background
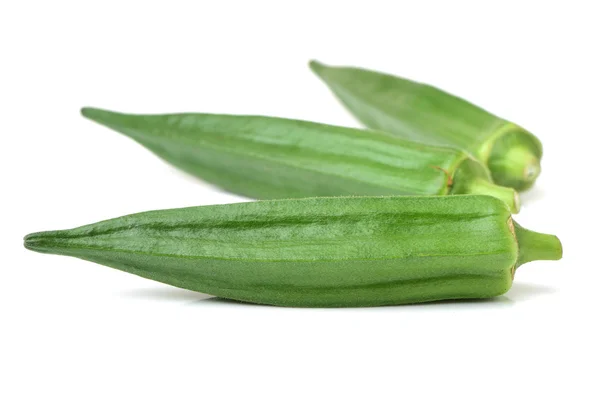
76 330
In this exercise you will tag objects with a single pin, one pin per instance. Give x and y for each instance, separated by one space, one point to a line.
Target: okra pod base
514 158
318 252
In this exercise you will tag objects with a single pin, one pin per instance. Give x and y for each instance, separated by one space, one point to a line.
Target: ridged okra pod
318 252
269 158
424 113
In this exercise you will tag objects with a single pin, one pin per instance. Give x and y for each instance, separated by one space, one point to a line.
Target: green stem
472 177
536 246
485 187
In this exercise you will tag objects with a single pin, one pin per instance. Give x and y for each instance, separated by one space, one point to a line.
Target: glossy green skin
426 114
268 158
315 252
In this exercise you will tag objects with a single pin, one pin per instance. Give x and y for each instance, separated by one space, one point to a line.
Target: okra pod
269 158
318 252
424 113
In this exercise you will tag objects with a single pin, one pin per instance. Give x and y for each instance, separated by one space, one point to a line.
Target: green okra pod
424 113
268 158
318 252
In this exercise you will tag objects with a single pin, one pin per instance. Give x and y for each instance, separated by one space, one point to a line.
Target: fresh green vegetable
318 252
268 158
424 113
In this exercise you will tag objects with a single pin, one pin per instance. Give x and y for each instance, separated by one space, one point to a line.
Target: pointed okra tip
41 242
103 117
316 66
93 113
